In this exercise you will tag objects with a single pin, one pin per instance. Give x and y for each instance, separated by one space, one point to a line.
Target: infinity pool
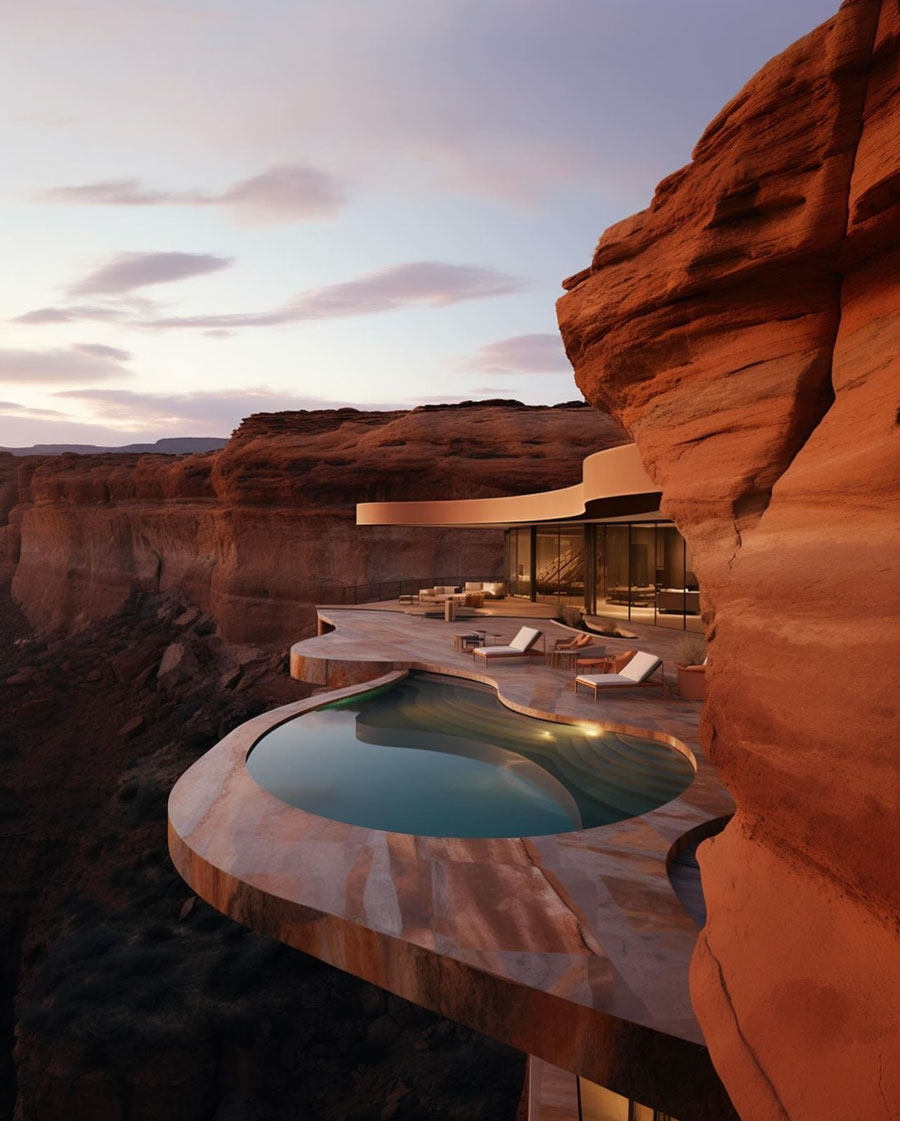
439 757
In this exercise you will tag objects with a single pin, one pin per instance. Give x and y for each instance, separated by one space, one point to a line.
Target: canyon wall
260 531
746 330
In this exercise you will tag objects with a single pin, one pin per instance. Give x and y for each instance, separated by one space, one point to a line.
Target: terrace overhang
614 483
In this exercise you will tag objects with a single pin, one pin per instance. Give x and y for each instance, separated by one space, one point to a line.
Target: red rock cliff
746 330
258 532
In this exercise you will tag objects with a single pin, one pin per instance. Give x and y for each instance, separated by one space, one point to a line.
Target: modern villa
473 834
602 544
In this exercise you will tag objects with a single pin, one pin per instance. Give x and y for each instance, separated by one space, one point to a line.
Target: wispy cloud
128 271
207 413
416 284
521 354
71 314
12 408
101 350
289 193
127 308
285 194
61 365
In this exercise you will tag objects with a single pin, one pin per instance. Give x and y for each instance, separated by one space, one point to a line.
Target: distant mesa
173 445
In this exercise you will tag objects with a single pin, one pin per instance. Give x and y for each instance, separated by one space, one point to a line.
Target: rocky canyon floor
123 996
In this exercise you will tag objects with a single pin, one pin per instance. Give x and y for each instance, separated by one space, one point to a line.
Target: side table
562 659
569 659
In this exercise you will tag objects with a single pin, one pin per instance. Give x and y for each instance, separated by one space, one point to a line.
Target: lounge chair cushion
603 679
525 639
497 651
640 667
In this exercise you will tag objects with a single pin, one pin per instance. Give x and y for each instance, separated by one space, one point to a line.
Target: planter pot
691 682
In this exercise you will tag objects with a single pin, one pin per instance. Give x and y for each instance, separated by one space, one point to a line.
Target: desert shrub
95 1054
149 804
237 1026
151 993
570 616
158 932
240 970
10 804
142 960
691 651
98 988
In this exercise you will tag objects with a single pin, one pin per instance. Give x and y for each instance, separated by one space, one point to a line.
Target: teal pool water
438 757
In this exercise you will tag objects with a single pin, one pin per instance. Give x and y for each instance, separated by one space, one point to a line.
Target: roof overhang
613 480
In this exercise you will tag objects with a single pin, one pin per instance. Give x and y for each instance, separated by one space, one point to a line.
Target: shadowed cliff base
130 997
745 330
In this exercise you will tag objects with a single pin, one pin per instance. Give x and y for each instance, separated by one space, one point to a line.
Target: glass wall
572 554
546 564
627 570
518 561
596 1103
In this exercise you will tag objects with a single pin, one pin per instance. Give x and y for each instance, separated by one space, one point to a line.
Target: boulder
130 663
178 664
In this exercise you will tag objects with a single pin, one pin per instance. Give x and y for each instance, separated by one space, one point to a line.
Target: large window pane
677 590
512 541
520 581
600 1104
571 565
642 555
669 577
546 570
612 571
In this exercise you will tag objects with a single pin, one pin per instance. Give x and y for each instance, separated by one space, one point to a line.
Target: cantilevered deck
571 947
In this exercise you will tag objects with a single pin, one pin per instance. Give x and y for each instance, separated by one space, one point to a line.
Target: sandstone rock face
260 531
746 330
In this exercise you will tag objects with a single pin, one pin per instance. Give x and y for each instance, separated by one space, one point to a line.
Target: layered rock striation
260 531
746 330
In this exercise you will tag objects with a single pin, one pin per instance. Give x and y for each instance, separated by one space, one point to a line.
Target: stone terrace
572 947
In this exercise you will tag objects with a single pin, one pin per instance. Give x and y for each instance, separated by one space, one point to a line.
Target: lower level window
596 1103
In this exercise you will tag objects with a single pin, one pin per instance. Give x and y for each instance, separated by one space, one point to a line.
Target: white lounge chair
519 647
636 672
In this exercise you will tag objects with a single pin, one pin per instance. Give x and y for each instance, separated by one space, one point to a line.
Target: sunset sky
213 209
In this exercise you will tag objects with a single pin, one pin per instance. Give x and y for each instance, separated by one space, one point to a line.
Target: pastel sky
213 209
